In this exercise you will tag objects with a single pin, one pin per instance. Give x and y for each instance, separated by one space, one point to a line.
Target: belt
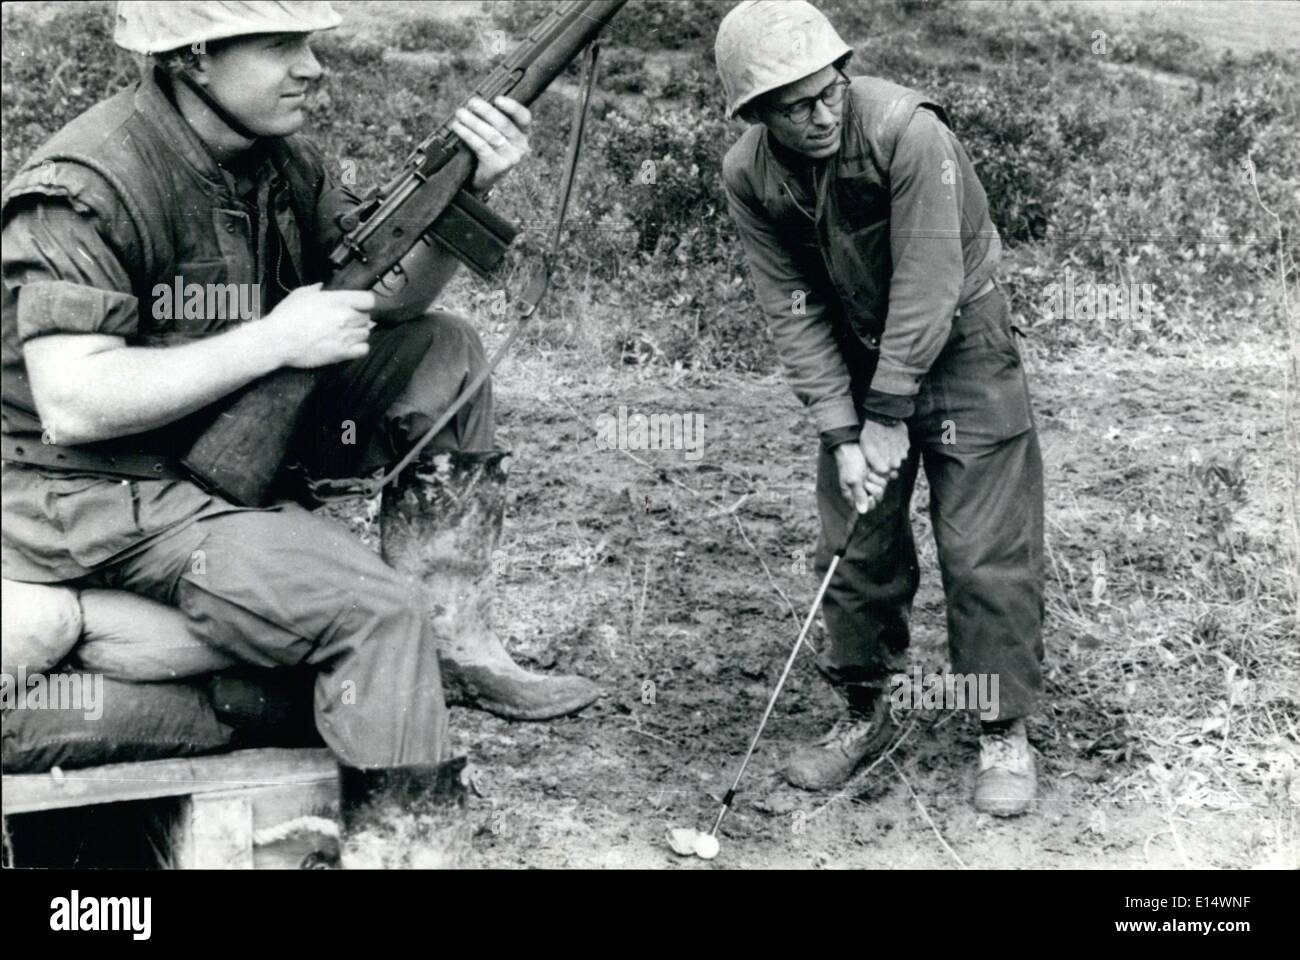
140 466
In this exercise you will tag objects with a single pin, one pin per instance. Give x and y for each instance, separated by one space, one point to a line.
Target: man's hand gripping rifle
240 454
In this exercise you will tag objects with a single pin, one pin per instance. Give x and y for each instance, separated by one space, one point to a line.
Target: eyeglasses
801 111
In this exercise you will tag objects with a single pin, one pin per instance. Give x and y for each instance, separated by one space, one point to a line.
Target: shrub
1120 177
439 35
622 71
54 72
1017 149
646 24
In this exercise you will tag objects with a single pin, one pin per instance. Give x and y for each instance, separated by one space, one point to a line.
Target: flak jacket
859 261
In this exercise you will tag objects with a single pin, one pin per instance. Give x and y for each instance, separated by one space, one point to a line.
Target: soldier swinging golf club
686 841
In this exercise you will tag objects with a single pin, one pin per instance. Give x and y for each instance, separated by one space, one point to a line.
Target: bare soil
611 570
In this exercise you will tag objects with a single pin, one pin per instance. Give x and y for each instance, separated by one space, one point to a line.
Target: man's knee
455 358
990 568
394 602
455 336
290 569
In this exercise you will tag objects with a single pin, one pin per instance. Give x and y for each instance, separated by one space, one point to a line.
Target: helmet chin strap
226 117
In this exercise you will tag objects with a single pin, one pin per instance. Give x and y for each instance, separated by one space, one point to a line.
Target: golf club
789 664
706 845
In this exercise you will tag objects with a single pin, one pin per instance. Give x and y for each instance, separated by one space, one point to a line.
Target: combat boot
1007 783
404 817
861 735
440 524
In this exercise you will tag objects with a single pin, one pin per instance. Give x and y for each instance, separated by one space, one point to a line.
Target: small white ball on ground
706 846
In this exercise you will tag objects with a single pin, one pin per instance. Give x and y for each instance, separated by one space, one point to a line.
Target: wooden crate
243 810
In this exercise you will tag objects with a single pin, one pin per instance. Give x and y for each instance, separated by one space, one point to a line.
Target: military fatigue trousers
282 586
974 432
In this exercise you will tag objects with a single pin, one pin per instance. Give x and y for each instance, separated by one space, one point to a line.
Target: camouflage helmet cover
763 45
154 26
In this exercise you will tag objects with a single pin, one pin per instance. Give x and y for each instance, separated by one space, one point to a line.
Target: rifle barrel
583 19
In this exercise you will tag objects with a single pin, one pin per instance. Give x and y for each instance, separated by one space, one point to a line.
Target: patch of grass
1188 631
440 35
53 72
1116 175
646 24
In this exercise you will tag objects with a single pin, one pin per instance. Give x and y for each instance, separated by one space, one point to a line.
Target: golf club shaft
789 663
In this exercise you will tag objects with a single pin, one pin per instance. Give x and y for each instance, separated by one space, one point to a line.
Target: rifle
242 451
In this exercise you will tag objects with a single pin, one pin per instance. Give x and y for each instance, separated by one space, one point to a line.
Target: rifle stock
244 448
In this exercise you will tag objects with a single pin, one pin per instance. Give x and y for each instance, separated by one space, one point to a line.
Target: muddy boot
1007 783
404 817
861 735
439 524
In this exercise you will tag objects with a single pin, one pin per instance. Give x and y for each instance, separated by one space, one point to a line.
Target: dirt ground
612 570
1172 669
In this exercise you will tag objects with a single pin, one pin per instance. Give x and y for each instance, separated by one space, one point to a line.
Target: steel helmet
153 26
763 45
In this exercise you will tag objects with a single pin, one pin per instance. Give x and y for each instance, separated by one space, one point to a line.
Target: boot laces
1003 750
847 730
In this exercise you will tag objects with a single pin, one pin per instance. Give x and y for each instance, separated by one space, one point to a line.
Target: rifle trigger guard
389 290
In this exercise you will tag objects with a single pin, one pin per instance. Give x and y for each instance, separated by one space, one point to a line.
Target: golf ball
706 846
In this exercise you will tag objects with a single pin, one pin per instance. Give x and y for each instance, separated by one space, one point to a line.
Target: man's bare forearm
124 390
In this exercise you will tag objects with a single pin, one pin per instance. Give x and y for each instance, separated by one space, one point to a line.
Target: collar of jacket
789 167
875 112
154 101
791 161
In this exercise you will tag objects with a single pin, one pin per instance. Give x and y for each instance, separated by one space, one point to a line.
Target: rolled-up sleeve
64 276
801 326
925 241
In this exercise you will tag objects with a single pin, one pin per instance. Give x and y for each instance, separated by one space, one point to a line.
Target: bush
1115 175
440 35
658 240
645 24
55 72
369 110
622 71
1173 51
1017 149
